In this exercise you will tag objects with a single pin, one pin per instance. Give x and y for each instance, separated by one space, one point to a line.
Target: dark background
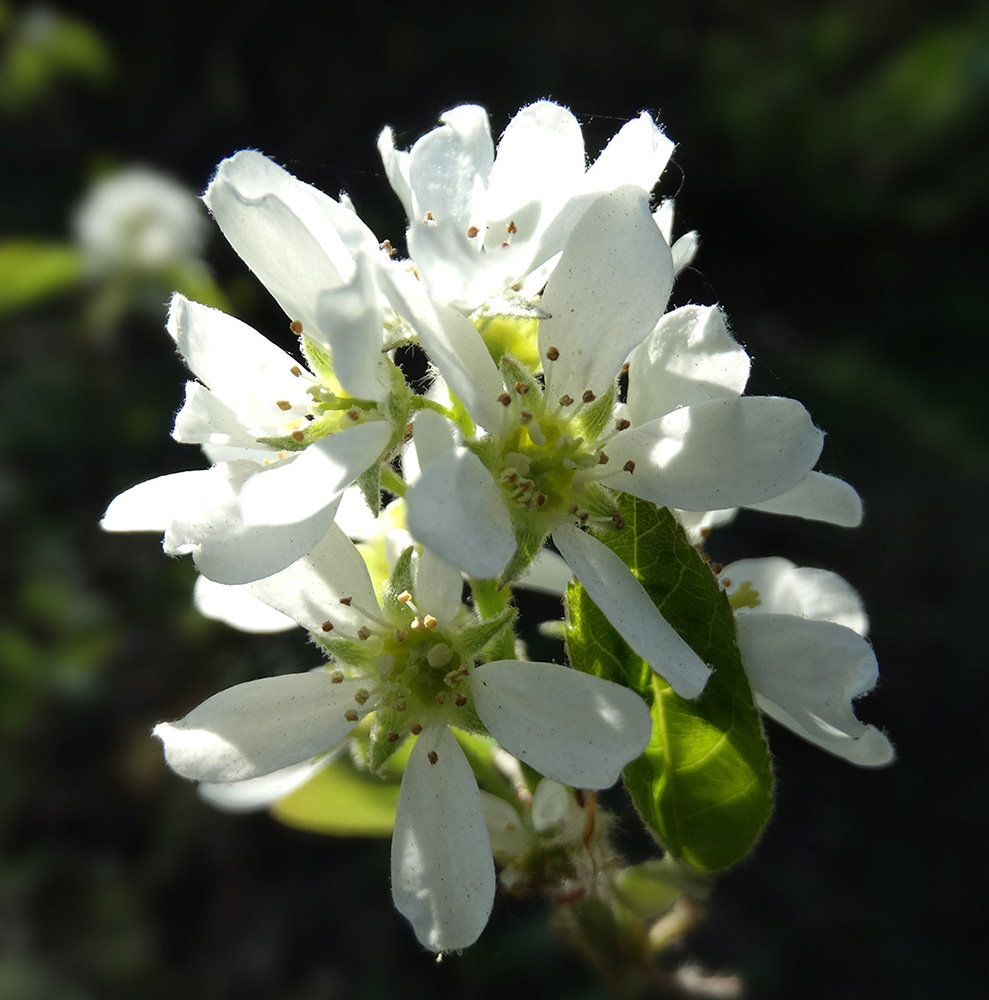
836 163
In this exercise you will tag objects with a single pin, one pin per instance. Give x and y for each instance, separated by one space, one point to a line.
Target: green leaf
31 270
704 784
343 801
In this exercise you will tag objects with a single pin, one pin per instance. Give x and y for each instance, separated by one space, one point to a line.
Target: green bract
704 784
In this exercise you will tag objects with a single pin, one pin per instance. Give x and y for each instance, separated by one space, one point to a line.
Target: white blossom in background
139 220
801 636
411 660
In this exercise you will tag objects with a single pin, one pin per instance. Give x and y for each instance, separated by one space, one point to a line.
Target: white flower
800 633
481 224
286 441
411 661
139 220
685 439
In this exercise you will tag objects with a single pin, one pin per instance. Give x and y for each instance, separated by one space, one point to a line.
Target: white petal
259 727
699 524
237 608
723 453
606 294
452 343
689 358
349 321
206 419
457 509
805 675
396 164
540 160
786 589
438 587
295 489
818 497
288 233
612 587
432 436
151 505
261 792
310 590
442 873
637 154
245 370
572 727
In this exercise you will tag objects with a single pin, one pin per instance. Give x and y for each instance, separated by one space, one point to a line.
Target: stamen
336 677
460 700
511 228
430 622
351 715
387 247
521 388
327 626
364 633
603 459
392 737
404 597
629 466
552 354
416 729
296 371
588 396
361 695
472 231
505 399
432 757
299 436
283 404
566 400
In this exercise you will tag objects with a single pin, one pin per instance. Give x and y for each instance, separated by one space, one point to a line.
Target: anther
296 371
327 626
526 417
472 231
603 459
401 635
717 567
505 399
566 400
298 436
588 396
400 706
552 354
363 633
407 436
629 466
392 737
521 388
336 677
296 326
283 404
361 695
354 414
416 624
540 499
625 368
430 622
404 597
432 757
617 520
460 700
387 247
623 424
346 601
511 228
351 715
429 217
416 729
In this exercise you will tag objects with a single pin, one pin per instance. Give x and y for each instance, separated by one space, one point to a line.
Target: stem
392 481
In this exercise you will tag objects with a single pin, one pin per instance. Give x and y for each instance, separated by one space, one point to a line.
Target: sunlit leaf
704 783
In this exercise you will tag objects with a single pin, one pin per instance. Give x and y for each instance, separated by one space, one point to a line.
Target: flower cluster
538 287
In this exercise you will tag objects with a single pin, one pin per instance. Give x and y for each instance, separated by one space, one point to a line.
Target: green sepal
704 785
399 582
471 639
598 500
319 360
369 482
349 651
516 372
594 417
529 539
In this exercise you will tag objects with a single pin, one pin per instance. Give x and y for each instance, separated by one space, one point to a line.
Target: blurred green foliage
834 158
